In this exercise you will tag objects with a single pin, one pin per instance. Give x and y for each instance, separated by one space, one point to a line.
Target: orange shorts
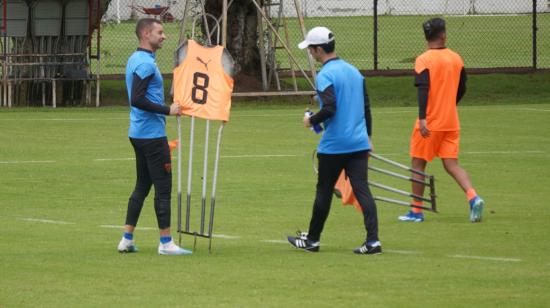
441 144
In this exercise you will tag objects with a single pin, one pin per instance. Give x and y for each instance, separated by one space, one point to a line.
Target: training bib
201 86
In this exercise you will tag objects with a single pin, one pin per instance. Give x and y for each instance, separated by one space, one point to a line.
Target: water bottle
317 128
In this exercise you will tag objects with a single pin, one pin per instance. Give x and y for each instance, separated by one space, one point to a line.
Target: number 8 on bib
201 85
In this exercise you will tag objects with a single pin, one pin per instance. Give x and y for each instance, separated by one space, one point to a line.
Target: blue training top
144 124
345 131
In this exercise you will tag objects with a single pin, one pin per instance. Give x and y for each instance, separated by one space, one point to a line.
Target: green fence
502 38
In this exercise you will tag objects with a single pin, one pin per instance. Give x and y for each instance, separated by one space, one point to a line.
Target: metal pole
43 94
4 63
89 56
398 191
399 202
214 180
432 193
98 55
118 11
189 173
217 25
266 18
97 82
535 34
261 46
298 5
179 177
9 94
391 162
204 173
224 23
54 97
375 34
397 175
292 73
180 162
205 20
183 22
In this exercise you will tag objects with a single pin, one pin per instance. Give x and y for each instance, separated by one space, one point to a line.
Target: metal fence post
535 34
375 34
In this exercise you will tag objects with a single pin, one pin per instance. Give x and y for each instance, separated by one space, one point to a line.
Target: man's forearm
422 82
139 100
329 106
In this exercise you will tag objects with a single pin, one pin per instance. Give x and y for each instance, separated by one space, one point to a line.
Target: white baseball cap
317 36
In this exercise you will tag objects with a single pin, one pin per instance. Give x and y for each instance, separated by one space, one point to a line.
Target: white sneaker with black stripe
302 242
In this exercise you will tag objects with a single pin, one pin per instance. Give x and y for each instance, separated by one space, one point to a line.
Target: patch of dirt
247 83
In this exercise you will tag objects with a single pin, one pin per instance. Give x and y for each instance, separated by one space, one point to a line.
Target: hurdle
429 181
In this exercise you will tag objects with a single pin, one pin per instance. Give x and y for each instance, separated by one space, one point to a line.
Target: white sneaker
126 245
171 248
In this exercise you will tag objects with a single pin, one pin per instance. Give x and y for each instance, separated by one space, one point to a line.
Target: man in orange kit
441 81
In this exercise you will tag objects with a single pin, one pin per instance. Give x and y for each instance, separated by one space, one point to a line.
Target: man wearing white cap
346 117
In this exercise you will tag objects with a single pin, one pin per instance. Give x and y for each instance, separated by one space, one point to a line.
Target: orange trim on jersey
444 66
201 86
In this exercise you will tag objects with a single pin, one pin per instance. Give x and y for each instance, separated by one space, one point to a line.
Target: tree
103 5
242 34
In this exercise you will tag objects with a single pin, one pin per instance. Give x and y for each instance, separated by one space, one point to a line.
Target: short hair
145 23
327 47
433 28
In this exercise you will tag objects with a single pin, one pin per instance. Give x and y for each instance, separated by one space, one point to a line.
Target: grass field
489 89
483 41
66 174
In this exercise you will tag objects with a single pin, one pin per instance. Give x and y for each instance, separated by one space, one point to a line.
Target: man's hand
175 109
307 123
424 131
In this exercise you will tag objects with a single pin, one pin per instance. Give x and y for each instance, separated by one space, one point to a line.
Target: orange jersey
444 66
201 86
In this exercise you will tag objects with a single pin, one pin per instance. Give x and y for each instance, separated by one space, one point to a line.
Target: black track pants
330 167
153 167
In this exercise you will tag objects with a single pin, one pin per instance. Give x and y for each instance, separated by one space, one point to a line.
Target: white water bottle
317 128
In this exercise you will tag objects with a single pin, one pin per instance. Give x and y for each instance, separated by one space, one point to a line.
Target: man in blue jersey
147 135
346 117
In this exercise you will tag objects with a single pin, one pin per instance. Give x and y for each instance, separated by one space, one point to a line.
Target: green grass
505 148
487 89
483 41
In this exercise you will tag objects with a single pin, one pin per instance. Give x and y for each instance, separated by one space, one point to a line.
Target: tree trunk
103 6
242 36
